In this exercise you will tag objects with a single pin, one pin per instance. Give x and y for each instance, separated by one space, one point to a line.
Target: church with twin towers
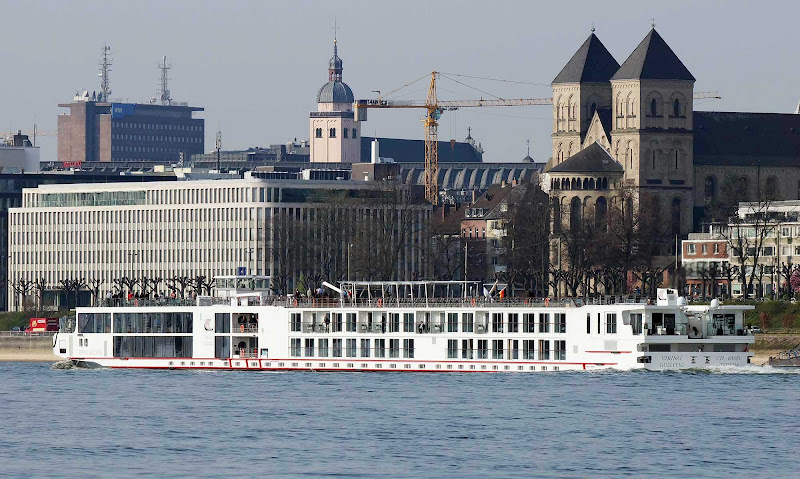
632 127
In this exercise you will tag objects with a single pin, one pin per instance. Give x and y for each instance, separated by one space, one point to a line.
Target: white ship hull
467 336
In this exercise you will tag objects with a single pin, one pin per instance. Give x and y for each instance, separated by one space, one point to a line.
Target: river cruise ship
402 326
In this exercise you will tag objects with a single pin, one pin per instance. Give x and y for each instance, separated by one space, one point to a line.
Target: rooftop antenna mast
165 68
105 69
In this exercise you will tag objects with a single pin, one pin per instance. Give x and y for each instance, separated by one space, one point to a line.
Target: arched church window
771 192
654 160
710 188
318 133
575 214
344 132
676 108
355 133
332 133
676 159
653 107
676 216
600 212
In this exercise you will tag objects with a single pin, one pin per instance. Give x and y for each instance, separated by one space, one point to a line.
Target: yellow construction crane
434 109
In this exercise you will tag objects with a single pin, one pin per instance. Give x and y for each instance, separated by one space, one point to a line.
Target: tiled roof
653 59
746 139
592 63
592 159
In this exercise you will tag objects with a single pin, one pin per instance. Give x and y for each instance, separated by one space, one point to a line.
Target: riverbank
27 348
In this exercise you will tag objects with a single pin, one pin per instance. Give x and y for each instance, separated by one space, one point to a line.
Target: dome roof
335 92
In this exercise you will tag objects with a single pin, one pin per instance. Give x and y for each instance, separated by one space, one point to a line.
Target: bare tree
178 285
527 239
40 285
202 285
22 287
93 285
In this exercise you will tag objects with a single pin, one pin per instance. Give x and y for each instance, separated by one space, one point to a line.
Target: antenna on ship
105 69
165 68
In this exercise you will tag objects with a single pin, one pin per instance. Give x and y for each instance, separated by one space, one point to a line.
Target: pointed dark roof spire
653 59
592 63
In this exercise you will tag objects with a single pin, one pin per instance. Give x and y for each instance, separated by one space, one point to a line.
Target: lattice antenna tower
164 93
105 69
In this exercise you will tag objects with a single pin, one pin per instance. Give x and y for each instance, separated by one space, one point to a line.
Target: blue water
116 423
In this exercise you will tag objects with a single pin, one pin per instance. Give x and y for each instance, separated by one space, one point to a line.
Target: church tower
334 131
652 129
580 89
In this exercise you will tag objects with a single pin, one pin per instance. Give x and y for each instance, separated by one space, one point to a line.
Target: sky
256 66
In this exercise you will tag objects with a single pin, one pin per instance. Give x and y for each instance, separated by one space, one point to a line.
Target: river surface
117 423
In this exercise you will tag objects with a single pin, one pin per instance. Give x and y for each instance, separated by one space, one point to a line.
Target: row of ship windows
270 364
423 323
469 348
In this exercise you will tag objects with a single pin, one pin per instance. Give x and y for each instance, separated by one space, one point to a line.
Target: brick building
95 131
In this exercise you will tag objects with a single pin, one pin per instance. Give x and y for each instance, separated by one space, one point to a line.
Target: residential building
706 265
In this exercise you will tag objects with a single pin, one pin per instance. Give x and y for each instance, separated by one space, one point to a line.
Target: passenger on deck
327 323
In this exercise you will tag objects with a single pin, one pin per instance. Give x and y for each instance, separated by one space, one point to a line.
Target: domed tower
334 131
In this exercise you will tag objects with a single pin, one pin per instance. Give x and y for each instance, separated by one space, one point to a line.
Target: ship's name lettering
670 358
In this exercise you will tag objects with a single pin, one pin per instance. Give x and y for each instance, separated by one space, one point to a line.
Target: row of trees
69 289
600 250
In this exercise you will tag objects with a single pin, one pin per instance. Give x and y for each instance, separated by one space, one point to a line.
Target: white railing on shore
26 334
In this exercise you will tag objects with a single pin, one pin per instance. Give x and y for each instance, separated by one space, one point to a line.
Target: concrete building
18 155
162 230
98 131
12 184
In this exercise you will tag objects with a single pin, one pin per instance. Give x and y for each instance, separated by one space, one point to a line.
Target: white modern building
171 229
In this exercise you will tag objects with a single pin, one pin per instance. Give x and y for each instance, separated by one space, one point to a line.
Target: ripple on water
725 422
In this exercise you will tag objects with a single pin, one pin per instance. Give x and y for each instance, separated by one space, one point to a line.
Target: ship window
467 322
452 348
408 348
295 347
544 322
636 323
153 346
408 322
611 323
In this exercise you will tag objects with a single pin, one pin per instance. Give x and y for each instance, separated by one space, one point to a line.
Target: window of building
653 107
344 132
676 108
691 248
355 133
332 133
704 249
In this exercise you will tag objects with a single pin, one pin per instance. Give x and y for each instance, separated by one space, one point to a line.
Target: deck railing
386 302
